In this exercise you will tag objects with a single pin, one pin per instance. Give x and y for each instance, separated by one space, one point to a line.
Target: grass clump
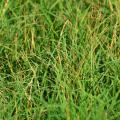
59 60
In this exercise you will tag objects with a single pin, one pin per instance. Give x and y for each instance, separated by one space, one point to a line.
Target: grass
59 60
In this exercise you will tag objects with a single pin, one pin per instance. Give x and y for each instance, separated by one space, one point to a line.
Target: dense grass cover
59 59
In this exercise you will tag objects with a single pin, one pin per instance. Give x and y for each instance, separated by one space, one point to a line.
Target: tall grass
59 60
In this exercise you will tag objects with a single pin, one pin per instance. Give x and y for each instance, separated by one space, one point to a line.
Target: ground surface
59 60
